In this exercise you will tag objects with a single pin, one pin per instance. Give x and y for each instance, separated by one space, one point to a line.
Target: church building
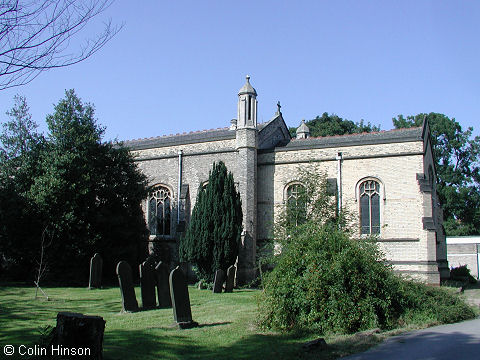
386 178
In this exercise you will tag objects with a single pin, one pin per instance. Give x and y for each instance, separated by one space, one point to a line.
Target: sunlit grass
227 326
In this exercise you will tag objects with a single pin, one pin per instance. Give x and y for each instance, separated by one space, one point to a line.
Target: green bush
424 304
326 281
462 273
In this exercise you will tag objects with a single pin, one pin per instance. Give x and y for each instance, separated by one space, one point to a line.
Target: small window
296 204
369 193
159 211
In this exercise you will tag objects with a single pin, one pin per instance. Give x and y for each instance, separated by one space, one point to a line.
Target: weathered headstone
96 264
163 288
77 332
230 278
147 285
182 313
129 300
219 280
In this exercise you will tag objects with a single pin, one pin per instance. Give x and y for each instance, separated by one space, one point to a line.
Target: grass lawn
227 326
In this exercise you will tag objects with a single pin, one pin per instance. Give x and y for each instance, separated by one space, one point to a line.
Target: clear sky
176 66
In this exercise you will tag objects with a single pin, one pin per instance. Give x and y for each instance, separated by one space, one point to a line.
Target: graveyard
226 326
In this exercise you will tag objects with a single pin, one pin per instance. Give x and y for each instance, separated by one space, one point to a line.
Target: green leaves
326 281
87 192
330 125
213 235
456 155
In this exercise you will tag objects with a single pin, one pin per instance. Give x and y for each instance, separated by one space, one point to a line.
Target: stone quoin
386 178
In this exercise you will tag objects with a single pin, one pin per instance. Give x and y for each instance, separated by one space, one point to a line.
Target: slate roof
179 139
380 137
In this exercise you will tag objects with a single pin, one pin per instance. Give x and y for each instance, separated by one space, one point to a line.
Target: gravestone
78 332
163 288
147 285
96 264
129 300
230 278
219 280
182 313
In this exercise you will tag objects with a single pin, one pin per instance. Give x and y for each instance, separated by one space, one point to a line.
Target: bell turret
247 106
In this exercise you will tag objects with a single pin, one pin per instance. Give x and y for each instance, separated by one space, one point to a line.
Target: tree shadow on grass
184 344
189 344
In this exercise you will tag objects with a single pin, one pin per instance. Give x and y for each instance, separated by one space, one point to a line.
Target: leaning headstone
129 300
96 264
182 313
163 288
219 280
230 278
147 285
77 332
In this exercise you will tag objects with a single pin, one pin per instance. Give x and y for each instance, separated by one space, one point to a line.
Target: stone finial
247 88
303 131
233 124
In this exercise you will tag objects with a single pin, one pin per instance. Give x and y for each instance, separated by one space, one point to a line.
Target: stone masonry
264 160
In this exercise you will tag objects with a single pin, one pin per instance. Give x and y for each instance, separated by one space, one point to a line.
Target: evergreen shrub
212 238
325 280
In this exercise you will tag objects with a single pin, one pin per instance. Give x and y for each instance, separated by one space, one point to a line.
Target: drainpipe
180 153
339 180
478 262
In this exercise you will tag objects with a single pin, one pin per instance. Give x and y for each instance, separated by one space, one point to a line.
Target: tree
35 36
87 193
213 235
330 125
20 148
456 155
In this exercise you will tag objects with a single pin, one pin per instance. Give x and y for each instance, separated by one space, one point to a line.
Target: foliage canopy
84 192
456 154
330 125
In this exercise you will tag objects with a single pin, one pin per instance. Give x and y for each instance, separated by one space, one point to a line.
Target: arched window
369 194
159 211
296 204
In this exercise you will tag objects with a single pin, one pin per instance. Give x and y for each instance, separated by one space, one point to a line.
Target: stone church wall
160 165
395 165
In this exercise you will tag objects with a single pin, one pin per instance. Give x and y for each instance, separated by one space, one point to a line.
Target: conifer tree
213 235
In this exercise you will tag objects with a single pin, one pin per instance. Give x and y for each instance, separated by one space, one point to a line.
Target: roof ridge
362 133
178 134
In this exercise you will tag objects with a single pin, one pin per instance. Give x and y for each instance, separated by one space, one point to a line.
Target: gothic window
369 194
296 204
159 211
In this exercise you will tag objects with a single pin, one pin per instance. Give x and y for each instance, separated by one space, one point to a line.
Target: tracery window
369 193
296 204
159 211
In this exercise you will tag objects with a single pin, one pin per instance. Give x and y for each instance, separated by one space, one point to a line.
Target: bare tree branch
35 36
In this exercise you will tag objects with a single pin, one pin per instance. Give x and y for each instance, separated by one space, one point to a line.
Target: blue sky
176 66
